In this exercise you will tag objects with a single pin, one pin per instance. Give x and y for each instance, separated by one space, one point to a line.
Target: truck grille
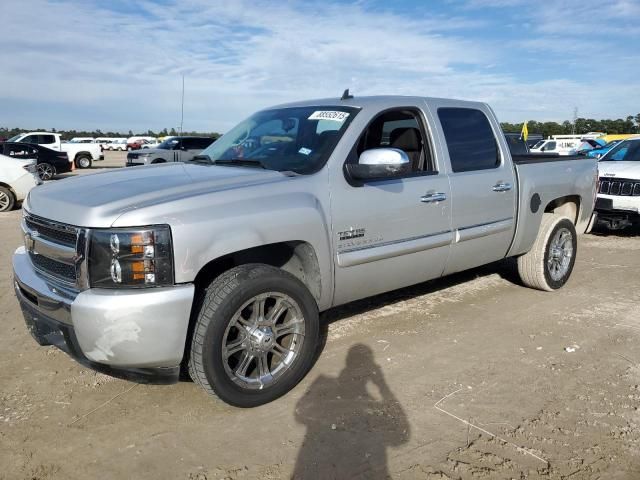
54 268
619 186
56 233
54 248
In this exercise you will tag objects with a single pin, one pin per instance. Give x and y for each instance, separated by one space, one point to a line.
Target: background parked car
17 178
173 149
601 151
150 144
48 162
83 154
135 143
118 144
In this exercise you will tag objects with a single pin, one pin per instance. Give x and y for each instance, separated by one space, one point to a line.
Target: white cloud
78 65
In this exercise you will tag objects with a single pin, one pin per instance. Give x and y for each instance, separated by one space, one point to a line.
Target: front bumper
617 212
134 334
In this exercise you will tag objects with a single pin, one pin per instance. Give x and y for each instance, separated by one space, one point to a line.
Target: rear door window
46 139
470 139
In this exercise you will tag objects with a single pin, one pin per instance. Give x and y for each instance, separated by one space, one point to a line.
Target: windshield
627 151
298 139
15 138
539 144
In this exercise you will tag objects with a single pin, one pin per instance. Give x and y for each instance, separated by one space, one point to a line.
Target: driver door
396 232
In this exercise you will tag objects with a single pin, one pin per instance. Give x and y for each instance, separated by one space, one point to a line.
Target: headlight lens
131 257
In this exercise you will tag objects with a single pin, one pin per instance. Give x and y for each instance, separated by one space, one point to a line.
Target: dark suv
172 149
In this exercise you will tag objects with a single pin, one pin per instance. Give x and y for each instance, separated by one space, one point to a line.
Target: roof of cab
376 102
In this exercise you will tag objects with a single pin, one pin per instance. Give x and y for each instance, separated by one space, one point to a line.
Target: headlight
131 257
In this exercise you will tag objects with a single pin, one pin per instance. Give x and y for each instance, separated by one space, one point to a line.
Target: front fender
291 217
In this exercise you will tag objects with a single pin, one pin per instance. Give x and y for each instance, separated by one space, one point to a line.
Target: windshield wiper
242 162
202 160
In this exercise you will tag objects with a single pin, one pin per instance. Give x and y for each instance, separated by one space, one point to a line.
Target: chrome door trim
483 230
381 251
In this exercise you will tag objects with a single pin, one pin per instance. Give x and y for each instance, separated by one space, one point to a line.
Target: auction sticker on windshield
329 115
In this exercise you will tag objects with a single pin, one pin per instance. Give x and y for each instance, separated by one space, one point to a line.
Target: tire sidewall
12 199
80 159
561 223
247 288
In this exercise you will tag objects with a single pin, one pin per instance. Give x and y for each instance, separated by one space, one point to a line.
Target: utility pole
575 117
182 107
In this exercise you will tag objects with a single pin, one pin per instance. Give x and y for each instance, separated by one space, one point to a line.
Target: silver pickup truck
222 265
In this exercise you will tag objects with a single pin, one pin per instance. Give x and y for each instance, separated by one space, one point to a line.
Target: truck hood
619 169
97 200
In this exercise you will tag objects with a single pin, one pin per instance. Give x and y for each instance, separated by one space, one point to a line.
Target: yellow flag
525 131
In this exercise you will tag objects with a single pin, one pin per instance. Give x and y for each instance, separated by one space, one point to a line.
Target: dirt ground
472 376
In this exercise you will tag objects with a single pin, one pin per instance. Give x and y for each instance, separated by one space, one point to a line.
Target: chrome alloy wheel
5 201
560 254
263 339
45 171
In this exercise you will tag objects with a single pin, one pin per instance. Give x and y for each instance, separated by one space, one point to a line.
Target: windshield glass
539 144
628 151
298 139
14 138
168 144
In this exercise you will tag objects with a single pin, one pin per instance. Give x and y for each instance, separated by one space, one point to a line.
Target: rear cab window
470 139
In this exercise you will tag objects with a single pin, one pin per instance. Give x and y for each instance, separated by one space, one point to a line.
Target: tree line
630 124
69 134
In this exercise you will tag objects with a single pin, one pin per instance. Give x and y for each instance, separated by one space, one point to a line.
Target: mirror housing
379 164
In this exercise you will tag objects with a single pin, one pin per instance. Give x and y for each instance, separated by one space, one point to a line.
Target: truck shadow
351 421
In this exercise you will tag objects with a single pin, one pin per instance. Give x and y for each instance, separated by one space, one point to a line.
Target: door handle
501 187
433 197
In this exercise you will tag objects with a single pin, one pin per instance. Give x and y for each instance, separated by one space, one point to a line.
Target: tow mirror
379 163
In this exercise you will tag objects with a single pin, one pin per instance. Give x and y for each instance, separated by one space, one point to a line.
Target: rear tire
83 161
46 171
7 199
549 263
255 336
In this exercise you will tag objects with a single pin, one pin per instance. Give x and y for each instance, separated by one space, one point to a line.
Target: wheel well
82 154
159 160
568 206
296 257
8 187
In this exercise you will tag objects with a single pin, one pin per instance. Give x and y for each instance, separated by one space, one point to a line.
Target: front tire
83 161
549 263
255 336
7 199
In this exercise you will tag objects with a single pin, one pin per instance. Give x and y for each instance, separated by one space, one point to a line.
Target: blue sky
118 64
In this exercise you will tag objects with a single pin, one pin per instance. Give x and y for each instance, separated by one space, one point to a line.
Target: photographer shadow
351 421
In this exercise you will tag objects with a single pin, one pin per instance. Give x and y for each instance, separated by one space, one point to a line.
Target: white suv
618 202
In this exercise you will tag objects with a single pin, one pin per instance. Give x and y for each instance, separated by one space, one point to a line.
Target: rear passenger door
483 187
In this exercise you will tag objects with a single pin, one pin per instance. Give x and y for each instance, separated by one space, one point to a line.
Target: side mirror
380 163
